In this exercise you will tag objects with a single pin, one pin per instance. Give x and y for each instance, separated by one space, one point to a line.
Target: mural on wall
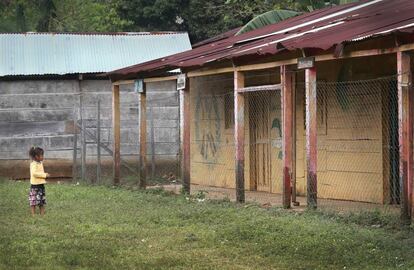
277 143
207 126
277 125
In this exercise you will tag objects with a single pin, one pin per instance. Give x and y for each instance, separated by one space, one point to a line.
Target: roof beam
123 82
318 58
161 79
201 73
147 80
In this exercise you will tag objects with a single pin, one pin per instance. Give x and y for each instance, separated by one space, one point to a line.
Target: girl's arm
40 175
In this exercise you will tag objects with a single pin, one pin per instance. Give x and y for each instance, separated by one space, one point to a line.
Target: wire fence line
357 142
357 135
162 144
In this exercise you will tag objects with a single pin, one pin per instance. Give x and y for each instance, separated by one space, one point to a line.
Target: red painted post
239 135
287 82
116 119
143 139
405 131
311 137
185 136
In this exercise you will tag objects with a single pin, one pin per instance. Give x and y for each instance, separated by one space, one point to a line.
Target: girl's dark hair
35 151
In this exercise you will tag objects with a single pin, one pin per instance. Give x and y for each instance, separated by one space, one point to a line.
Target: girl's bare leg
33 210
42 210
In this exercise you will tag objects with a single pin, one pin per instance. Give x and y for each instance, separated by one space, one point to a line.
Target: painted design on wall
207 127
276 124
277 143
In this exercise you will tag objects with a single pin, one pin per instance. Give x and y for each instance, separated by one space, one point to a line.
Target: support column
405 132
185 119
239 135
98 144
116 119
287 82
311 137
143 138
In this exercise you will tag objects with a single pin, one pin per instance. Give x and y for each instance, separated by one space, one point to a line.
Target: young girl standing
37 195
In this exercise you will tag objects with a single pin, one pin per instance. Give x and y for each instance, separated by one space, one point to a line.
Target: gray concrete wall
41 112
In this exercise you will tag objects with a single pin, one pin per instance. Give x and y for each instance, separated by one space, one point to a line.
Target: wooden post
116 119
152 132
239 135
287 82
405 131
185 119
294 200
311 137
98 143
75 146
83 134
143 139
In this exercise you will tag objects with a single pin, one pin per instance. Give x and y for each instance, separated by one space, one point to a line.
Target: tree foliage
202 19
60 15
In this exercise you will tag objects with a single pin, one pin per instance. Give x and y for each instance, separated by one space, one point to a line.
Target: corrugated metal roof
64 53
221 36
322 29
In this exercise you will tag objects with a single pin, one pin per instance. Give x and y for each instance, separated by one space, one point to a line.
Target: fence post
83 139
239 135
116 118
185 119
311 137
75 145
143 138
405 131
98 143
287 78
152 145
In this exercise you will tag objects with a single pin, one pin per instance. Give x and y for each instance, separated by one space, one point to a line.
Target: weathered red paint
405 121
311 137
239 135
143 139
116 118
287 82
185 136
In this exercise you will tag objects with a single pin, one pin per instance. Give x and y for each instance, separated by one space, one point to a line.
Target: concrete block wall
42 112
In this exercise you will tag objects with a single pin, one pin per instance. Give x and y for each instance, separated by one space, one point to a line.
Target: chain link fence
358 149
93 164
357 142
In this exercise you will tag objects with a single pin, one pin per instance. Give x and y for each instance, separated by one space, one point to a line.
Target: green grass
113 228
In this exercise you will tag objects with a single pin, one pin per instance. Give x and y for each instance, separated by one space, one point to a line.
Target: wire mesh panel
357 144
356 129
213 139
162 124
264 143
163 139
212 132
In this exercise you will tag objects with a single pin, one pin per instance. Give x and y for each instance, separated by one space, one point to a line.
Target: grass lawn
114 228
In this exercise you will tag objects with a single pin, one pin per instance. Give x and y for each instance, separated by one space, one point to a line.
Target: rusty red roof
221 36
322 29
